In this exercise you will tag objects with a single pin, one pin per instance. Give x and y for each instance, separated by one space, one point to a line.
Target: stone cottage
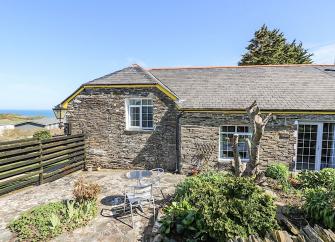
138 117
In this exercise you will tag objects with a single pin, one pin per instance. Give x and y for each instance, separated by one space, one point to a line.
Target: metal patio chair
136 196
155 179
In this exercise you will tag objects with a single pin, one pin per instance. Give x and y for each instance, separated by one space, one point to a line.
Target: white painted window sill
230 160
138 130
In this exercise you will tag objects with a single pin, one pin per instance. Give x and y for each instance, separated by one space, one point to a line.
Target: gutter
178 148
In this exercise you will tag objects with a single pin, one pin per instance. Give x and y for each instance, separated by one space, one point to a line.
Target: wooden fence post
85 150
41 165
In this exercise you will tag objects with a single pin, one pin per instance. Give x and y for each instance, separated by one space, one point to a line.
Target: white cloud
324 54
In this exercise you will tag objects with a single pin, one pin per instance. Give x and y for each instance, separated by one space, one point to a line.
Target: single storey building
35 124
138 117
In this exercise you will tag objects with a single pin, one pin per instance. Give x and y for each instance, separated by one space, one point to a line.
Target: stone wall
278 143
100 113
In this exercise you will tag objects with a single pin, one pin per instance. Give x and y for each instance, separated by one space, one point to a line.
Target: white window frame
244 133
128 121
318 152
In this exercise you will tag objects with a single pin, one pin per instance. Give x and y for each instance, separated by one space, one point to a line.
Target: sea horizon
29 112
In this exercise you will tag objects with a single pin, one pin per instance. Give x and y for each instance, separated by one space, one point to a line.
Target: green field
8 118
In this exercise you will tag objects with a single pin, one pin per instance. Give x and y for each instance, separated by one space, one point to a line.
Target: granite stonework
101 115
277 145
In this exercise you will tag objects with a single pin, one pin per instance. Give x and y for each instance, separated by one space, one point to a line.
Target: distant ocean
45 113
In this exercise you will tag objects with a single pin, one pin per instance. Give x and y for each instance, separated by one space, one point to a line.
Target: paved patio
104 227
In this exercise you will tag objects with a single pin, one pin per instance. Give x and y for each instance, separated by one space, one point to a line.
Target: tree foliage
271 47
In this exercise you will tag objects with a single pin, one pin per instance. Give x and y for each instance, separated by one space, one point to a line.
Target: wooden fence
30 161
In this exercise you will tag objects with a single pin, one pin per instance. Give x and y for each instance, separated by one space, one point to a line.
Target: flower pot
89 168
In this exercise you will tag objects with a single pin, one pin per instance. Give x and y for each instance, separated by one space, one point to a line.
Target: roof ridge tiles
245 66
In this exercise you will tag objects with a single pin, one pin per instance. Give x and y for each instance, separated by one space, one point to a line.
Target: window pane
134 116
226 133
306 150
231 128
135 102
328 146
242 129
147 102
147 117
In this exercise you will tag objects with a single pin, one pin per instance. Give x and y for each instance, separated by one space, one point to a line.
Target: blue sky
48 48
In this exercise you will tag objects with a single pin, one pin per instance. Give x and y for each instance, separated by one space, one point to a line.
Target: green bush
181 218
320 205
42 134
277 171
49 220
311 179
224 207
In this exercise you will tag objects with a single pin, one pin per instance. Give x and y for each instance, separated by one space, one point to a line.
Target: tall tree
271 47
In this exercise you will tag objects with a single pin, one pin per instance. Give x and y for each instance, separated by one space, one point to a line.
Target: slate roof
276 87
130 75
42 121
285 87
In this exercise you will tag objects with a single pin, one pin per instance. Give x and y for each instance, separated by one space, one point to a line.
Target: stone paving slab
104 227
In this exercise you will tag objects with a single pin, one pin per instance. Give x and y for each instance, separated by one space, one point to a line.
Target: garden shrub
182 219
225 206
84 190
49 220
320 205
311 179
279 172
42 134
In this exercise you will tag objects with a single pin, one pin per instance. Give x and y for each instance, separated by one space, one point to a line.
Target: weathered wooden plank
63 137
81 163
61 164
61 148
19 158
62 142
19 145
17 186
16 141
64 157
60 153
66 172
27 161
17 164
16 179
18 151
19 171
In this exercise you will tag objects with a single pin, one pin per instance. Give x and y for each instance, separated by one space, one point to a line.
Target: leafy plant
319 205
84 190
49 220
311 179
182 219
42 134
279 172
54 221
224 206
